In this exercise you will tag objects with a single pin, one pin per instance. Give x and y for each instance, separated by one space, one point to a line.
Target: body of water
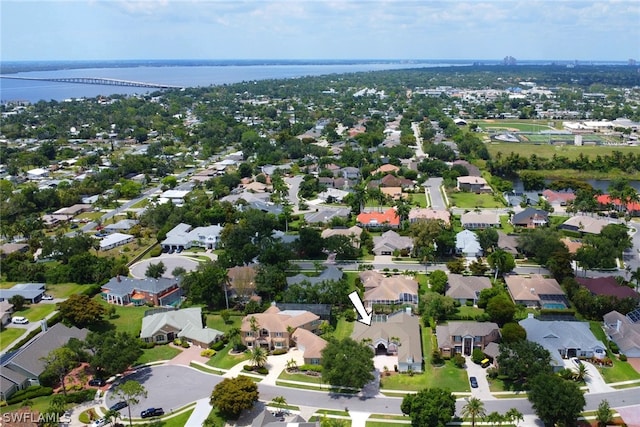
184 76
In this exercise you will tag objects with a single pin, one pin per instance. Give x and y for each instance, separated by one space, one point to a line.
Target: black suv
118 405
152 412
97 382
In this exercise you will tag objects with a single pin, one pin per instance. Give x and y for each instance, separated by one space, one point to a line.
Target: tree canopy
112 352
431 407
233 395
521 360
556 400
80 310
347 363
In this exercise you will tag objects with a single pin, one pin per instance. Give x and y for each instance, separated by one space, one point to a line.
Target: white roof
114 238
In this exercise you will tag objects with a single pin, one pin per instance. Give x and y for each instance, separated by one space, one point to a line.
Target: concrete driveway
139 269
482 392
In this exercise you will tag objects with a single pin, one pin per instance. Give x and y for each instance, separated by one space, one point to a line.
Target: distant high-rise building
509 60
632 62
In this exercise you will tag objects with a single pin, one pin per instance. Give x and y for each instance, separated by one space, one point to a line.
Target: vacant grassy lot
419 199
466 200
159 352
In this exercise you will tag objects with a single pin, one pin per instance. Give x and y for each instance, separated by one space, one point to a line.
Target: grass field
419 199
466 200
159 352
223 360
127 319
36 312
9 335
547 151
65 290
514 125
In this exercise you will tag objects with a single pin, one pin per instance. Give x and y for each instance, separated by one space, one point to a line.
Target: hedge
217 346
30 393
313 368
80 396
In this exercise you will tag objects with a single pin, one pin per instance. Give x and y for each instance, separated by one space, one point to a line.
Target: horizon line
314 59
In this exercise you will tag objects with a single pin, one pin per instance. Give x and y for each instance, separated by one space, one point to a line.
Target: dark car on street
152 412
474 382
118 405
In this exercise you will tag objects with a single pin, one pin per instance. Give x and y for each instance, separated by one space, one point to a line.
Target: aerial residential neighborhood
159 248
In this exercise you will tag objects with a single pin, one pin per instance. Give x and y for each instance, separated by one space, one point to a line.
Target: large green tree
206 285
556 400
431 407
501 309
501 261
347 363
233 395
81 310
521 360
474 409
60 362
438 281
112 352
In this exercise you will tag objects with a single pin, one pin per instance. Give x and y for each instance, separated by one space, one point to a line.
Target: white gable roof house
38 173
163 325
114 240
183 237
467 244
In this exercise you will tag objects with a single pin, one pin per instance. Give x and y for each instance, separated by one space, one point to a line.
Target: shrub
262 370
217 346
184 344
477 356
80 396
312 368
436 358
458 359
614 347
239 348
177 341
279 352
30 393
156 251
622 357
469 303
349 316
248 368
144 344
207 353
492 372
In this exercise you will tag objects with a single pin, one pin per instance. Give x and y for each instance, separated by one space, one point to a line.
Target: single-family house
607 286
388 218
394 193
273 328
585 224
417 214
474 184
530 218
9 248
37 174
467 244
114 240
74 210
472 169
572 244
125 290
393 290
182 236
388 168
329 274
164 325
624 331
398 335
353 233
390 242
174 196
466 288
630 207
563 339
310 344
350 173
479 220
463 337
395 181
559 198
536 291
23 368
331 195
508 243
31 292
324 214
122 226
6 311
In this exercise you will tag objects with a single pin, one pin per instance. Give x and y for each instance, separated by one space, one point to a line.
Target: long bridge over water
95 81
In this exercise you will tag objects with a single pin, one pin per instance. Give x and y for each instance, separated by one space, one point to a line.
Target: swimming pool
554 305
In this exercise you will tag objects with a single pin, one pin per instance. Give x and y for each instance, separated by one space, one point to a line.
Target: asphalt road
171 387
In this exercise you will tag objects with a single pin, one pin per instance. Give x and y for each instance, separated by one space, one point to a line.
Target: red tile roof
389 217
605 199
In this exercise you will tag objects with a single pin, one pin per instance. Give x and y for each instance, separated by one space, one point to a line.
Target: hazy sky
319 29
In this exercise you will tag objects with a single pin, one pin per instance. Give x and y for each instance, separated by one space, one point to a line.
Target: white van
19 320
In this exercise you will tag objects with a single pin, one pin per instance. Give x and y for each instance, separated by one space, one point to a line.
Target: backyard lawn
9 335
127 318
467 200
343 329
214 321
157 353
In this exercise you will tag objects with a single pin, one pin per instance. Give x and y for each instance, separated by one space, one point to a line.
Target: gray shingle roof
126 285
331 273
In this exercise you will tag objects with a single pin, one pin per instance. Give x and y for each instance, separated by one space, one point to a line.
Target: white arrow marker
365 317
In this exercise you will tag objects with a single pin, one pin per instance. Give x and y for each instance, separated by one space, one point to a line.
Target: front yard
467 200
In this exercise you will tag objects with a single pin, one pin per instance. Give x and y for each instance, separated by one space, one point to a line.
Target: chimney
118 278
618 324
533 290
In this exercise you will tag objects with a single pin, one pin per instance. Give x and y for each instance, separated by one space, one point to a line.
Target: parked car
118 405
152 412
576 361
474 382
47 297
97 382
19 320
100 422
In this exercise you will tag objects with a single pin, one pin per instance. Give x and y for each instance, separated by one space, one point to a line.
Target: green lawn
214 321
65 290
620 371
302 378
159 352
524 125
419 199
127 318
547 151
467 200
39 404
468 313
36 312
343 329
506 225
177 421
9 335
387 424
224 360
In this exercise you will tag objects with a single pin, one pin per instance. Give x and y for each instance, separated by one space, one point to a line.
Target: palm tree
292 364
581 373
636 276
279 402
495 418
513 415
258 357
473 409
